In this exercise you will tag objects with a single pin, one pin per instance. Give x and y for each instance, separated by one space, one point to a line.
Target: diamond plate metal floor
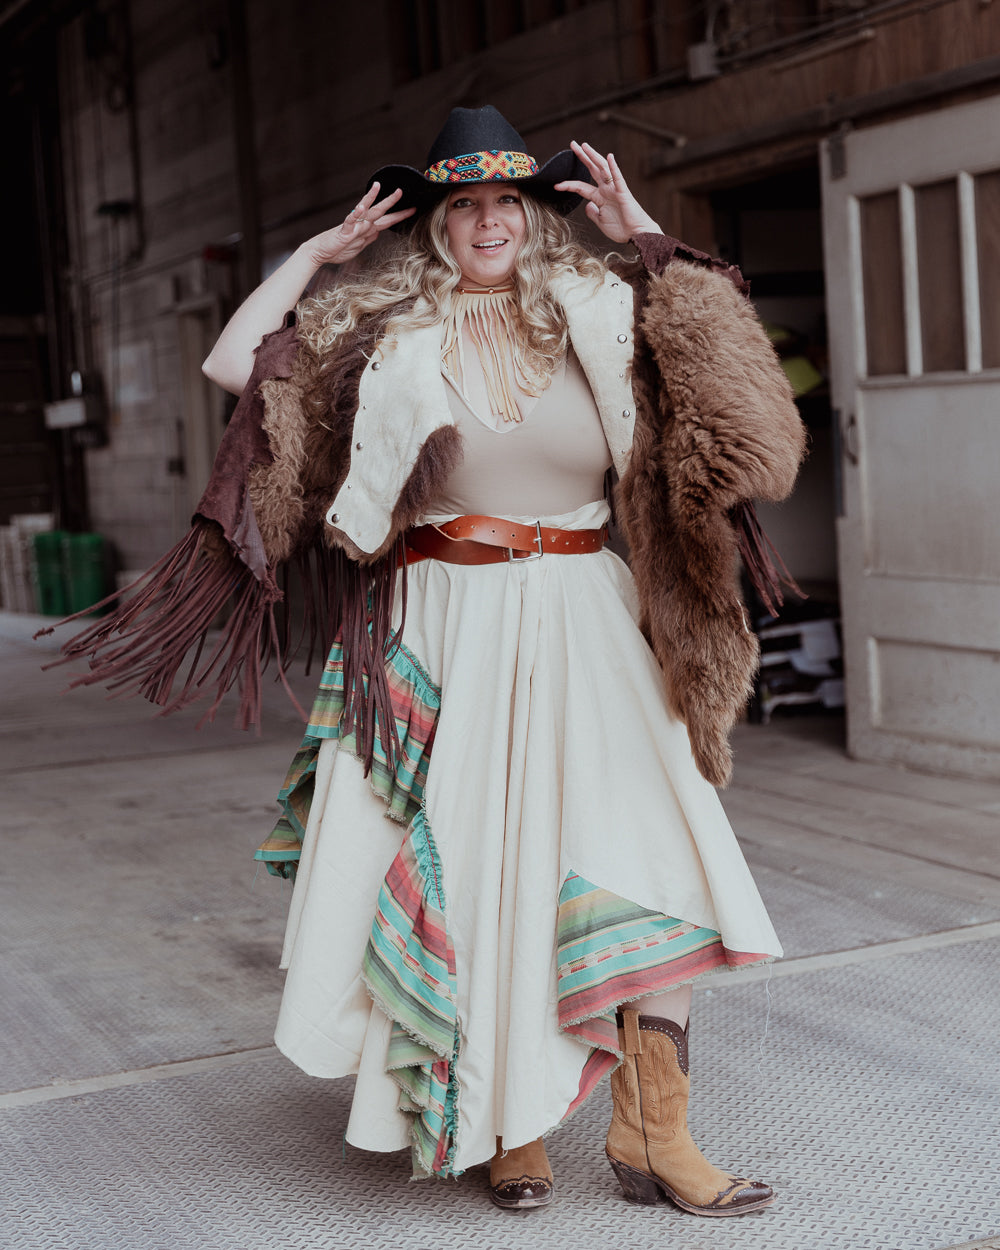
133 936
875 1118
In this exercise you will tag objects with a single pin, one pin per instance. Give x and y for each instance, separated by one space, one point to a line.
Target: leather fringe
365 595
765 567
341 598
162 628
320 572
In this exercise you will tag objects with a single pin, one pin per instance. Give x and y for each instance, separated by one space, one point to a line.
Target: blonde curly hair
416 276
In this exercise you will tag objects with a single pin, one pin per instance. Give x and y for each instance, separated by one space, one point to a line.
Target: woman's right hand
361 226
230 362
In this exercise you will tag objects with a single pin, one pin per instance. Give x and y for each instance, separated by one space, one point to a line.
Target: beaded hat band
496 166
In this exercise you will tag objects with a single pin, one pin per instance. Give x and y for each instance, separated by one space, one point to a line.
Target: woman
546 731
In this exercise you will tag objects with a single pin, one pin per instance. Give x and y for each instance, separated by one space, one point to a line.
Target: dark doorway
772 228
25 445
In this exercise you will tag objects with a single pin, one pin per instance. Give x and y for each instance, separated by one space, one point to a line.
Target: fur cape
715 427
718 427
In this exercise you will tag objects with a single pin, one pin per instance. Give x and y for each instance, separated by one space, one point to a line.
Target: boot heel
637 1186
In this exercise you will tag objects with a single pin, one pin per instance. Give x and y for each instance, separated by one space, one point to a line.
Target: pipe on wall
244 141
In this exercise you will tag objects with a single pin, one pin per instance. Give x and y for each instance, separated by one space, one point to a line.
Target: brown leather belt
491 540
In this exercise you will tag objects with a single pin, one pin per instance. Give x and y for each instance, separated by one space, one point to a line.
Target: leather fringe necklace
488 313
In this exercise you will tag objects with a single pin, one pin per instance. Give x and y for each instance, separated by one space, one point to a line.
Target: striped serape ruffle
416 701
409 969
611 951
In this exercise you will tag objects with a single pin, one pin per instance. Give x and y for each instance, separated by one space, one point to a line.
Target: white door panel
912 246
930 456
955 700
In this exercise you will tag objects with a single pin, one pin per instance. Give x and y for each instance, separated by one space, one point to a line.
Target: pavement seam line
858 954
138 1076
762 842
736 976
756 787
146 755
853 841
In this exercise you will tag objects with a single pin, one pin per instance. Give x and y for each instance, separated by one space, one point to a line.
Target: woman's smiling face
485 227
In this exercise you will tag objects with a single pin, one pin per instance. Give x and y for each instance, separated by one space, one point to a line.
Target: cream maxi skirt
551 850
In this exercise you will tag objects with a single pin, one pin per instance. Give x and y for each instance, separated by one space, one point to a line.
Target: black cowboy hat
480 145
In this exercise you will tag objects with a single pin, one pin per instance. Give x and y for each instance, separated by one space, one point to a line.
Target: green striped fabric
611 951
409 969
416 701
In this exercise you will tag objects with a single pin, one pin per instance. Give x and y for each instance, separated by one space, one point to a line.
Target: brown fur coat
715 425
718 426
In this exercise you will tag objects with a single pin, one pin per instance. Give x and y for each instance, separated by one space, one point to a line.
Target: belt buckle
532 555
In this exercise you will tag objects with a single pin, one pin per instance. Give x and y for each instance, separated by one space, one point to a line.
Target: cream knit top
552 461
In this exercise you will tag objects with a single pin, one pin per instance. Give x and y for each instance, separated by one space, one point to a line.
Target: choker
484 290
487 312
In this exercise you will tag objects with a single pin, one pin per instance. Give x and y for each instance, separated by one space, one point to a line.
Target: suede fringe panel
366 595
158 639
142 647
761 559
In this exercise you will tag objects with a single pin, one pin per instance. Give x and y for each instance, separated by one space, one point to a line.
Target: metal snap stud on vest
622 338
376 364
627 413
358 446
334 516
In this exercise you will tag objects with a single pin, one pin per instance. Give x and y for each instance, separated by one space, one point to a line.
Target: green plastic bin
47 573
83 570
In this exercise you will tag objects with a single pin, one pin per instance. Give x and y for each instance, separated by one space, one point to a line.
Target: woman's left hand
611 206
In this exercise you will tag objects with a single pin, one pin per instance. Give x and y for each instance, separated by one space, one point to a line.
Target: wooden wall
126 304
328 102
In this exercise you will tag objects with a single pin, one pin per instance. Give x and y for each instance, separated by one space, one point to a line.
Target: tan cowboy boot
649 1146
521 1177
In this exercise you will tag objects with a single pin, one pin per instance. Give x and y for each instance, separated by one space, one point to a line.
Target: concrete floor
143 1105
